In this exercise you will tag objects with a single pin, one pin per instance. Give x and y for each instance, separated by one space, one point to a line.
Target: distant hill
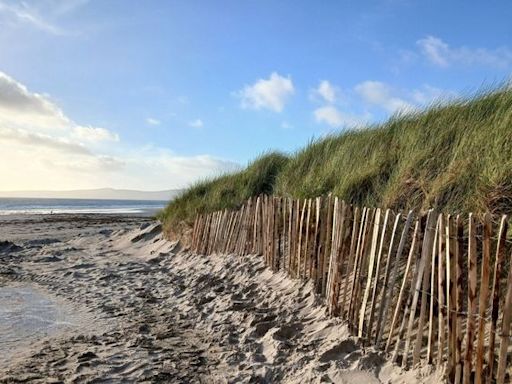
102 193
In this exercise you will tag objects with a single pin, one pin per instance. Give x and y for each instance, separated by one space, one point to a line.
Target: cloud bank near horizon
42 148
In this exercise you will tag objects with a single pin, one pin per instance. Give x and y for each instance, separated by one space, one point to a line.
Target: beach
123 304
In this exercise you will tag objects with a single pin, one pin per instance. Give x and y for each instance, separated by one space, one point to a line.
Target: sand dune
152 312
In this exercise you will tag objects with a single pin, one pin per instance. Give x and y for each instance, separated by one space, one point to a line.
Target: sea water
78 206
27 315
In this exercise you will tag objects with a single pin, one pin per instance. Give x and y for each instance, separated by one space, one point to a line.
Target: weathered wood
300 241
495 293
427 249
313 265
343 255
322 230
442 290
307 242
369 278
334 233
431 323
505 329
350 264
458 299
483 299
414 251
472 309
291 220
337 255
425 257
328 244
389 283
355 272
377 272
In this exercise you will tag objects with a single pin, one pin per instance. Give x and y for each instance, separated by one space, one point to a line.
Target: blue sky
157 94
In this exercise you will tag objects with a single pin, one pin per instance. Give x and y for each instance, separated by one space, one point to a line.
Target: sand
144 310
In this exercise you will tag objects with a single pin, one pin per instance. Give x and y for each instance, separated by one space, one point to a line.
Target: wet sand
146 311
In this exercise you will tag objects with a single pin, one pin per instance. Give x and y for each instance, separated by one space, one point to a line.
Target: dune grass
227 191
456 157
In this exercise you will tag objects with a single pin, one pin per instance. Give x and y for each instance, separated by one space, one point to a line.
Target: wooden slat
433 283
495 293
307 242
369 277
377 272
458 300
357 262
291 220
427 248
417 288
505 329
441 291
413 251
389 283
337 254
313 266
320 247
300 241
347 215
332 255
350 263
327 246
472 309
483 299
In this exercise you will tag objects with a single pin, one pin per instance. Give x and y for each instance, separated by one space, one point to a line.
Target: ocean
9 206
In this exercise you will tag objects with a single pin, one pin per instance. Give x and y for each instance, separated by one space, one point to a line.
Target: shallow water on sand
28 315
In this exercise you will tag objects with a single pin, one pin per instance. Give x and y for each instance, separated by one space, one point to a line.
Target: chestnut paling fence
427 289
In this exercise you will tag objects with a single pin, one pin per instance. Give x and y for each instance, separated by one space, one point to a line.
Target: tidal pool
27 315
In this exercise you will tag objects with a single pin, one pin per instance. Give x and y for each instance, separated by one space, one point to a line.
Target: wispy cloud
370 98
326 92
439 53
93 134
380 94
152 121
197 123
42 16
333 117
272 93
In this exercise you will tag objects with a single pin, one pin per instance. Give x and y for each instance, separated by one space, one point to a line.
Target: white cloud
93 134
271 93
380 94
21 136
41 148
153 121
428 94
286 125
38 15
441 54
197 123
331 116
326 91
34 112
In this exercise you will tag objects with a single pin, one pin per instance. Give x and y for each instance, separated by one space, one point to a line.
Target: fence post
484 297
495 293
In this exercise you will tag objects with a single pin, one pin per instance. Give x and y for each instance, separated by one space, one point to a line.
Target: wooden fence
417 286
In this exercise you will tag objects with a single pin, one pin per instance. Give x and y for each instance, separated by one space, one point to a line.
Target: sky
155 95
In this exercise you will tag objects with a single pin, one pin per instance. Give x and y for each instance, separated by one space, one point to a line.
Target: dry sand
142 310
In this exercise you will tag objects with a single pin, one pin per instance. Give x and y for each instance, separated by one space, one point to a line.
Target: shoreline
160 314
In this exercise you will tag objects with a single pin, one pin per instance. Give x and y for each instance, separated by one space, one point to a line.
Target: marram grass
455 157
